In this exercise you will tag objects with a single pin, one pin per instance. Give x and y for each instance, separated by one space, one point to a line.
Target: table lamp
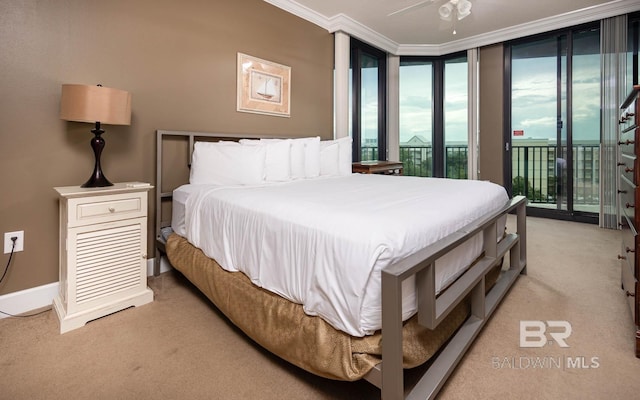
99 105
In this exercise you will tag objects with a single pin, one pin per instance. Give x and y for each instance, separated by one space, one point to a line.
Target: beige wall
491 114
177 58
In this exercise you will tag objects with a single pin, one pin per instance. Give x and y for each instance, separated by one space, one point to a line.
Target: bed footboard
388 375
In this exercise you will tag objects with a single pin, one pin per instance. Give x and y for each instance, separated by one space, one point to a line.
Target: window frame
438 159
357 49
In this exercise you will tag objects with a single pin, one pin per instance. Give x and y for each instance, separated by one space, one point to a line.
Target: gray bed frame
432 309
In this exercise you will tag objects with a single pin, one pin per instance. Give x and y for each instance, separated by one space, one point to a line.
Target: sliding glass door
555 121
538 110
586 120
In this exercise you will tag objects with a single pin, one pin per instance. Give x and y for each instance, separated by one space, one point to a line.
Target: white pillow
340 163
329 150
227 163
345 155
312 157
277 164
305 156
297 159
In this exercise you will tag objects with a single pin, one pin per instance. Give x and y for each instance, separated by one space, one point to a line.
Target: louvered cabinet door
103 241
108 263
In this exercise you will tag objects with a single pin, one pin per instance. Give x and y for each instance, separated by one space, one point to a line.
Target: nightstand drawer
106 208
103 208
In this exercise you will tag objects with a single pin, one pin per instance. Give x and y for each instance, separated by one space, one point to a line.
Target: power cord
26 315
6 269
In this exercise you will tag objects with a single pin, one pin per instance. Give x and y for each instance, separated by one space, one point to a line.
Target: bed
364 262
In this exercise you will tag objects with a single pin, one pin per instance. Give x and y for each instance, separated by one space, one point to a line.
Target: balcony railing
538 172
417 160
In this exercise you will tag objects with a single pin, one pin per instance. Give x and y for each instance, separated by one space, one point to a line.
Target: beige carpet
180 347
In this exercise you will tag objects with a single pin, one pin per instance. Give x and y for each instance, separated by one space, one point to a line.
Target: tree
524 188
456 164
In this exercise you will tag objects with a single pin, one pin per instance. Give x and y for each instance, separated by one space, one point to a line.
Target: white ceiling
421 32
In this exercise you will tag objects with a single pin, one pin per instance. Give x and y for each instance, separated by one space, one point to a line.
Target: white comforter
322 242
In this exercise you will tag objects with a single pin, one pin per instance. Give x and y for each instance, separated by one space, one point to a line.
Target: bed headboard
174 150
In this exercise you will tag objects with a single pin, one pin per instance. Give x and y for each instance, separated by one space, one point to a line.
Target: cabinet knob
628 169
622 191
628 205
620 164
629 294
111 209
621 257
629 250
626 142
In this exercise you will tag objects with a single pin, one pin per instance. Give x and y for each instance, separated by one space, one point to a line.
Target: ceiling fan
451 8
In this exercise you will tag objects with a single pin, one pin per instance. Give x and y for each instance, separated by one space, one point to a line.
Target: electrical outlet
8 243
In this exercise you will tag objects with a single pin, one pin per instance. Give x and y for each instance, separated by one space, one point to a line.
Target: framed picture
264 87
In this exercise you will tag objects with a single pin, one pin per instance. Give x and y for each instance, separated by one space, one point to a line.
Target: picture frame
264 87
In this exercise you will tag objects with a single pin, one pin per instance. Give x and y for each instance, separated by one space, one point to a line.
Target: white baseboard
30 299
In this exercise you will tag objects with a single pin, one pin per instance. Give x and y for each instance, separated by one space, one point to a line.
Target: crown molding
301 11
336 23
344 23
590 14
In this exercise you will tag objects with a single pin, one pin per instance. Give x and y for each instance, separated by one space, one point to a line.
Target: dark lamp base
97 181
97 144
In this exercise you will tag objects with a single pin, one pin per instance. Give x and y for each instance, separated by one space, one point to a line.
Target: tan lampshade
86 103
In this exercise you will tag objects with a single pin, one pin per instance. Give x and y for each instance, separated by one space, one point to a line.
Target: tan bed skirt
283 328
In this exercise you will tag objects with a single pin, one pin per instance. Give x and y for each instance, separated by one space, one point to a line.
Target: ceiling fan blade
412 7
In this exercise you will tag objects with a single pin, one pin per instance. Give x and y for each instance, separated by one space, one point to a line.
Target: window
368 98
433 116
633 45
416 116
456 137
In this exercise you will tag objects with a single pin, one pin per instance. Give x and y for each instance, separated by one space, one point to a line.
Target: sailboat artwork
266 87
263 87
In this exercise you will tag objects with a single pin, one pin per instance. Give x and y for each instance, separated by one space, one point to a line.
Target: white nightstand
103 252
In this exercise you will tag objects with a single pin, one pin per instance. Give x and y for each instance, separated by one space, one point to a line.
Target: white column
472 112
341 85
393 107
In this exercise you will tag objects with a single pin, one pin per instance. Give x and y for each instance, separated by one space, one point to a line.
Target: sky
534 94
416 102
534 98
